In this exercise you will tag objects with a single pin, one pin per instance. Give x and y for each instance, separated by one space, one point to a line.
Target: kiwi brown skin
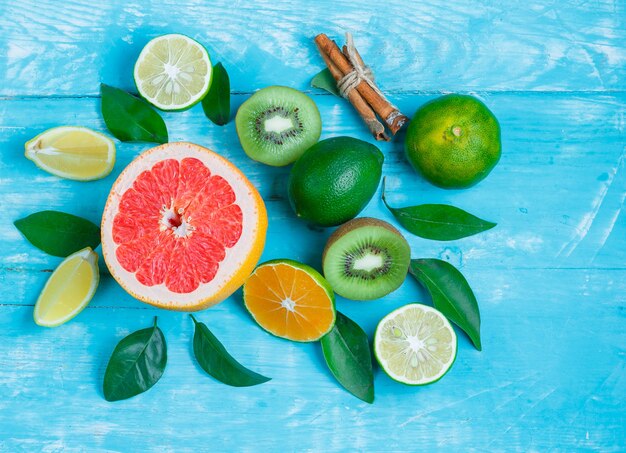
358 223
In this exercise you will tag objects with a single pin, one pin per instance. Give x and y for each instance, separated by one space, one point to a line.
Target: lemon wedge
69 289
72 152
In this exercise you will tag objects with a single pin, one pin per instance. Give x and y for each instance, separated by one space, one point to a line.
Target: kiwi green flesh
277 125
367 262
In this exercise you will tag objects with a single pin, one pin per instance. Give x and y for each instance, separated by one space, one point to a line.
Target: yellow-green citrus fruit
453 141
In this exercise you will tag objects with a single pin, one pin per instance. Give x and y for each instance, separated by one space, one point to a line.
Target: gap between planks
19 97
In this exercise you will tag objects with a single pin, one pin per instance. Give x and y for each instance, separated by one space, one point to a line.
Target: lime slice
72 152
69 289
173 72
415 344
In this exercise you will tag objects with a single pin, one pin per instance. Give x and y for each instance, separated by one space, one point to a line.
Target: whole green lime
334 180
453 141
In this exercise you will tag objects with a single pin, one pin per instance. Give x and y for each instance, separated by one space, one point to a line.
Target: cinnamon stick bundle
362 92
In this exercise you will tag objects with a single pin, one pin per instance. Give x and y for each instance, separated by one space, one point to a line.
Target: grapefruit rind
240 259
317 277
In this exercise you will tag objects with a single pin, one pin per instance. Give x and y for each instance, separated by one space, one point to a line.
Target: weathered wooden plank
557 193
68 48
551 375
549 279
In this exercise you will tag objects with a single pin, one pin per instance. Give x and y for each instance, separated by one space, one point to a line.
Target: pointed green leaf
440 222
137 363
347 353
325 80
216 103
451 294
216 361
58 233
131 119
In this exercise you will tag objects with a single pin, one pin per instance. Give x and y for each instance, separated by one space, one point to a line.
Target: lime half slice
173 72
72 152
415 344
69 289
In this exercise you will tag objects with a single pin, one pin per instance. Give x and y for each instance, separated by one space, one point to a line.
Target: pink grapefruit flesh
182 227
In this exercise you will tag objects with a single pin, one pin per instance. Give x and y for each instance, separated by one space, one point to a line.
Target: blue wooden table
550 278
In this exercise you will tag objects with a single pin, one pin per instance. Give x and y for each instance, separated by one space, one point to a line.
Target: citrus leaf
217 362
325 80
58 233
440 222
451 294
137 363
216 103
347 353
131 119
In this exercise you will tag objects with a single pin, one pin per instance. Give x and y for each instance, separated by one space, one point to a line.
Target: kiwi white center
278 124
368 262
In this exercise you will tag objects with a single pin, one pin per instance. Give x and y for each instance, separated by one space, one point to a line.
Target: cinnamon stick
357 101
397 119
392 116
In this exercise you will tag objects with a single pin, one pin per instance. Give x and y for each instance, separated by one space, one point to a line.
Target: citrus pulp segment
72 152
415 344
173 72
290 300
182 227
69 289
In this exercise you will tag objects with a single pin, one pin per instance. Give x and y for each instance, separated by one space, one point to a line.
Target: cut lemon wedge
415 344
69 289
173 72
72 152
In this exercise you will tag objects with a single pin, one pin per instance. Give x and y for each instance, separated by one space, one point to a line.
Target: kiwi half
277 125
366 259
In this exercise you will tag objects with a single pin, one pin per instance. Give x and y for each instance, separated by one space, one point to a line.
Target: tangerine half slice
290 300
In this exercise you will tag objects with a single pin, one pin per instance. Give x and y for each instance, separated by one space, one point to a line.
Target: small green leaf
216 361
131 119
216 103
451 294
325 80
137 363
58 233
440 222
347 353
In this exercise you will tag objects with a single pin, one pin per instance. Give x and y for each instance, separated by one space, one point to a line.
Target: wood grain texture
430 45
550 278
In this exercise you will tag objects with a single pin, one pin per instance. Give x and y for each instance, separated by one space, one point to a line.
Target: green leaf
438 221
216 361
131 119
451 294
137 363
325 80
58 233
347 353
216 103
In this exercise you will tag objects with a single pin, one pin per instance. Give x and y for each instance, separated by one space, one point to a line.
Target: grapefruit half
182 228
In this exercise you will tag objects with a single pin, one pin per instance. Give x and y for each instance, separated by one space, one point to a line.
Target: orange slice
290 300
182 228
